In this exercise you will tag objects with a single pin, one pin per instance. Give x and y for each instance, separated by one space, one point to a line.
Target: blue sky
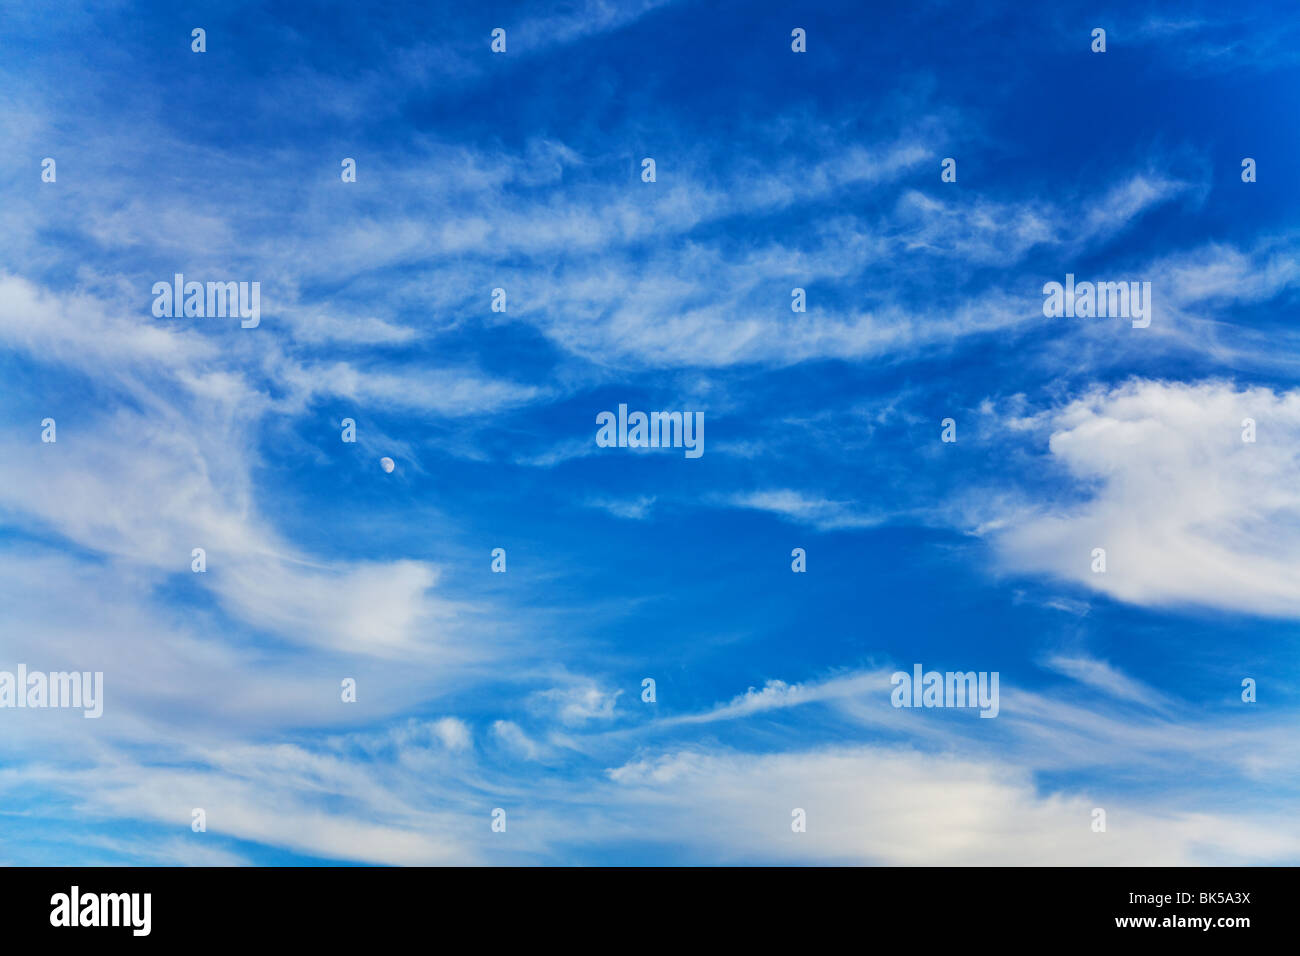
522 690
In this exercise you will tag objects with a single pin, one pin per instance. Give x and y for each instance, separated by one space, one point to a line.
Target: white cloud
777 694
450 732
513 737
897 807
949 794
819 512
636 509
1107 679
448 392
1187 512
579 703
454 733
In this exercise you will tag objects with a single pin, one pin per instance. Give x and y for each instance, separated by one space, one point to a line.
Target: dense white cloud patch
1187 512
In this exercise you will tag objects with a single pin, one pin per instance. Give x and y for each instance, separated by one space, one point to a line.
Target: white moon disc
387 464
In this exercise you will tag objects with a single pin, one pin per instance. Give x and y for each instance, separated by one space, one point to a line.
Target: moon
387 464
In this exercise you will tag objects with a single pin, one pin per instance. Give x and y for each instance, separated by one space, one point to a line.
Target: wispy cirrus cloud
479 690
822 513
